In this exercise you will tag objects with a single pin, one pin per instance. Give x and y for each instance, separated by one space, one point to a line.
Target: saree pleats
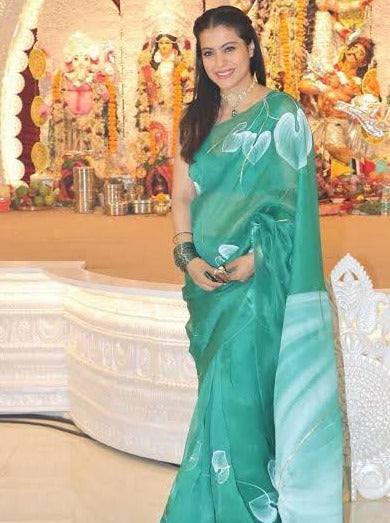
264 443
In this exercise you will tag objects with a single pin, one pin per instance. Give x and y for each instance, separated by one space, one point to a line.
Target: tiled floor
47 476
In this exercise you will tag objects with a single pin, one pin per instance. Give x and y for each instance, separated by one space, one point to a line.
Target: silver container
113 192
84 189
116 209
141 207
83 177
84 206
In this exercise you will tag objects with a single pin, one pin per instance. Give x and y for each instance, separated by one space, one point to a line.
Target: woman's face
226 57
165 46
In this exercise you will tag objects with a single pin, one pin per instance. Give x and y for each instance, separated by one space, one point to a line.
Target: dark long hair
202 112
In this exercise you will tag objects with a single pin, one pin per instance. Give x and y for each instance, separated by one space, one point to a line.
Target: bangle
183 253
179 234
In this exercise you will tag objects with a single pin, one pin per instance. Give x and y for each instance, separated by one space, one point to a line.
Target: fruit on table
37 194
38 201
21 191
43 190
50 199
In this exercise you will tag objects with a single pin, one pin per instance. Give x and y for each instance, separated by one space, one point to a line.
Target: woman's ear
251 48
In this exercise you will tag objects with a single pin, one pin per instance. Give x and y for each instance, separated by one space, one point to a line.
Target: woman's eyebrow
220 47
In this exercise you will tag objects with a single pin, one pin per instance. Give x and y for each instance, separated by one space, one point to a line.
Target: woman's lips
225 74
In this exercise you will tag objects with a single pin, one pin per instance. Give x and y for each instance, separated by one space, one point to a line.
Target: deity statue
82 113
165 84
342 82
339 70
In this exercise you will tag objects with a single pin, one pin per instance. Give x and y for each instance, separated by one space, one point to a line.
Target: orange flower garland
56 90
299 41
112 117
177 103
285 45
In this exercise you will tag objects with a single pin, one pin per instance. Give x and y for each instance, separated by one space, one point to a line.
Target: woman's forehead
217 36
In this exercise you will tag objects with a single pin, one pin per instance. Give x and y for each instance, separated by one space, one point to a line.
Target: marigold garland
288 85
56 89
177 103
299 41
112 117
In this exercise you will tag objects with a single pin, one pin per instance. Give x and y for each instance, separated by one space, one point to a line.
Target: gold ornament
352 19
37 63
370 84
35 112
40 156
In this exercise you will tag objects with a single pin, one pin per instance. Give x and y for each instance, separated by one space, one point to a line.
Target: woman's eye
207 53
229 48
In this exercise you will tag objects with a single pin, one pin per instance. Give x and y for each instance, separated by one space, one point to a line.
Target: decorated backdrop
117 74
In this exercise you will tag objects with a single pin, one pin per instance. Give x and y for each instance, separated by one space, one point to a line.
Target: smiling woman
265 439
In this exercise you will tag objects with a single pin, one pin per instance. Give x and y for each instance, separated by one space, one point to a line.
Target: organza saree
265 442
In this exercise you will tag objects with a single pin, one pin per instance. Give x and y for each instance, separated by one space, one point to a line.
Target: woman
265 438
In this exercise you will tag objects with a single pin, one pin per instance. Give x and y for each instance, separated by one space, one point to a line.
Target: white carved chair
364 353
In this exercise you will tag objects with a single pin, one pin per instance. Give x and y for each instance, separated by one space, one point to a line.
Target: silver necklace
234 99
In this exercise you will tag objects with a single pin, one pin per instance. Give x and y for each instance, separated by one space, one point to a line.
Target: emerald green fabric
265 441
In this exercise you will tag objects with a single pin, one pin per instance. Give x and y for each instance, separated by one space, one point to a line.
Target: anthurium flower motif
264 507
227 250
253 146
293 139
221 466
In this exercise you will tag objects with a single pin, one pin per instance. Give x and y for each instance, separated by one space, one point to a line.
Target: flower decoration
161 198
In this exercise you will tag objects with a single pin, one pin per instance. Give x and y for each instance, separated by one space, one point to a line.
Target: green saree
265 442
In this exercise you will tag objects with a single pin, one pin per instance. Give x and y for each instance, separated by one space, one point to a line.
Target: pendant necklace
234 99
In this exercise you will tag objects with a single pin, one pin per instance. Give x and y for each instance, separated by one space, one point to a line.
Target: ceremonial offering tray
141 207
34 208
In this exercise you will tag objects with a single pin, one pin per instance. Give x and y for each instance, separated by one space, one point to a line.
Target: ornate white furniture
364 338
111 353
132 383
33 337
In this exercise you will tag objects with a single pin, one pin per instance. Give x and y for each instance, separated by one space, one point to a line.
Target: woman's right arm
183 192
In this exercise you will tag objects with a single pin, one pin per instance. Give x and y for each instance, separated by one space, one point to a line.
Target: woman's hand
197 269
241 268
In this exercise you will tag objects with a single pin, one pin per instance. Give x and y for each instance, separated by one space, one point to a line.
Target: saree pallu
265 442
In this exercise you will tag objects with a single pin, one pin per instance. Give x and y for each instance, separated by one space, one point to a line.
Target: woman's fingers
242 268
203 275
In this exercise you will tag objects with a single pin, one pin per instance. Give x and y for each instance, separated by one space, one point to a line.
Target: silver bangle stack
183 253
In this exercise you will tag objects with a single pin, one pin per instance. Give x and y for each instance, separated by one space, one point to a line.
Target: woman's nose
219 59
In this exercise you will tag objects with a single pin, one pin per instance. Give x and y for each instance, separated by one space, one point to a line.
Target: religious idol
165 83
83 110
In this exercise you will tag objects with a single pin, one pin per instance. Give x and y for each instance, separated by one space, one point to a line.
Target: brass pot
161 208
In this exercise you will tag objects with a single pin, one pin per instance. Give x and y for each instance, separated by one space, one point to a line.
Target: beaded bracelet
179 234
183 253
